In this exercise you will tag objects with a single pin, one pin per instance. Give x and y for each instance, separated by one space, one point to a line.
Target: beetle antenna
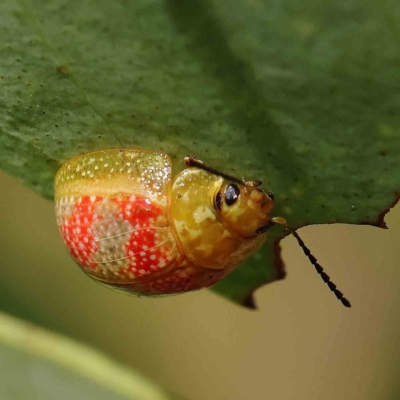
325 277
194 162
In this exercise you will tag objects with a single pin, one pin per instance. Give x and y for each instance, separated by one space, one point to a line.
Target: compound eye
231 194
271 195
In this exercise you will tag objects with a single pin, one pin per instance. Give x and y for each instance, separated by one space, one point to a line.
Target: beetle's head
244 208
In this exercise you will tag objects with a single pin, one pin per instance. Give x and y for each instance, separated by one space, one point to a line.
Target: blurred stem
81 360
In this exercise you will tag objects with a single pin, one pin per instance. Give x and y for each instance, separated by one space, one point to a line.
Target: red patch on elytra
77 231
144 248
138 210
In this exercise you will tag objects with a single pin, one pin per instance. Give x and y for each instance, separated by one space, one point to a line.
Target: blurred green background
300 344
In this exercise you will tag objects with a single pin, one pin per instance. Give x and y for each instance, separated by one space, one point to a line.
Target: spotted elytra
131 226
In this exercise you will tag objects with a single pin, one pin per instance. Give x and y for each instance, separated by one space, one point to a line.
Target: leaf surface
301 95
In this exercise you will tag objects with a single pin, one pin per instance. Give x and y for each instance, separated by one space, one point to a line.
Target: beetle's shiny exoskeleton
131 226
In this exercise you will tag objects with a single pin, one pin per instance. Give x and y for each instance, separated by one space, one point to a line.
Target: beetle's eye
270 194
218 201
231 194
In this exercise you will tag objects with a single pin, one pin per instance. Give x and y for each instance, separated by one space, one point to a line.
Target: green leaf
301 95
37 364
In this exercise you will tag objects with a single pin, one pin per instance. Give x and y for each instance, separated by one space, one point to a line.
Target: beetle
132 226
